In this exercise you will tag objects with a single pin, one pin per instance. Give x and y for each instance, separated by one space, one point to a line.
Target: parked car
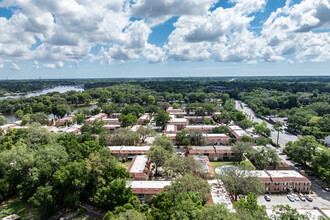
288 158
290 198
267 198
295 197
309 198
326 188
302 197
281 153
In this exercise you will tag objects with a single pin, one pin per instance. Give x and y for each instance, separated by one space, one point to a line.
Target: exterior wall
218 140
284 186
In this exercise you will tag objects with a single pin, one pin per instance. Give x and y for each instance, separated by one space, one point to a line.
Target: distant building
111 121
61 122
97 117
213 139
139 168
111 128
202 128
237 132
214 153
170 129
142 120
179 111
198 119
128 152
180 123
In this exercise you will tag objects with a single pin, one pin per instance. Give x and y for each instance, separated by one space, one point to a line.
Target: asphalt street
284 136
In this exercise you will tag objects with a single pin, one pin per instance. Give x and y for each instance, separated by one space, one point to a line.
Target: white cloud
36 64
58 64
2 65
14 66
68 30
161 10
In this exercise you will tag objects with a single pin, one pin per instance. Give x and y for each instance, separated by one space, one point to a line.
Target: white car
290 198
302 197
295 197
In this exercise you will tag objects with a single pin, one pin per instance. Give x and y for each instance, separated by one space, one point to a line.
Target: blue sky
177 38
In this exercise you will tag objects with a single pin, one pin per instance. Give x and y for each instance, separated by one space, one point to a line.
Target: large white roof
139 164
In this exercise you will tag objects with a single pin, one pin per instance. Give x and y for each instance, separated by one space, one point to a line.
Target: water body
60 89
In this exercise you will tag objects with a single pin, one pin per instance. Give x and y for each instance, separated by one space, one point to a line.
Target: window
306 184
298 189
277 183
285 189
267 184
305 189
277 189
297 184
267 188
285 184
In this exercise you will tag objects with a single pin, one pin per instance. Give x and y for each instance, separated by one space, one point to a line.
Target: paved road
284 136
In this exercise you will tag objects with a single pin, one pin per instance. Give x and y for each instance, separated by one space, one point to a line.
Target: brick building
237 132
202 128
128 152
142 119
144 190
214 153
170 129
139 168
279 181
180 123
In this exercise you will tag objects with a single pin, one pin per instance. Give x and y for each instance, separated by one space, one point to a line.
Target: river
60 89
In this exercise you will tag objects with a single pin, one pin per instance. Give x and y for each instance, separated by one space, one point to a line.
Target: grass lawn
126 164
220 163
18 207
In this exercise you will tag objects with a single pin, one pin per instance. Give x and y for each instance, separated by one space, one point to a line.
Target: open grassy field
18 207
246 163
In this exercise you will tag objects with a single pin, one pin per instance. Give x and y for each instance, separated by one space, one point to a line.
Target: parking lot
283 200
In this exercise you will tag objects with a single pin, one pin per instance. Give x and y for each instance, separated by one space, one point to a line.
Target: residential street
284 136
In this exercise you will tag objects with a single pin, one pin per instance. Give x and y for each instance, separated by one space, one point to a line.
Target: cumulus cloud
161 10
54 32
58 64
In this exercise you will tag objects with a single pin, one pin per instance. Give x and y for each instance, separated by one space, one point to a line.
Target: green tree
179 166
239 149
241 182
43 199
285 212
114 194
221 130
19 114
124 136
191 183
249 209
262 129
3 120
161 118
79 118
302 150
158 155
127 120
164 143
146 132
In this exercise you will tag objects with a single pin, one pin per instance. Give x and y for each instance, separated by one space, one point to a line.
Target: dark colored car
267 198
